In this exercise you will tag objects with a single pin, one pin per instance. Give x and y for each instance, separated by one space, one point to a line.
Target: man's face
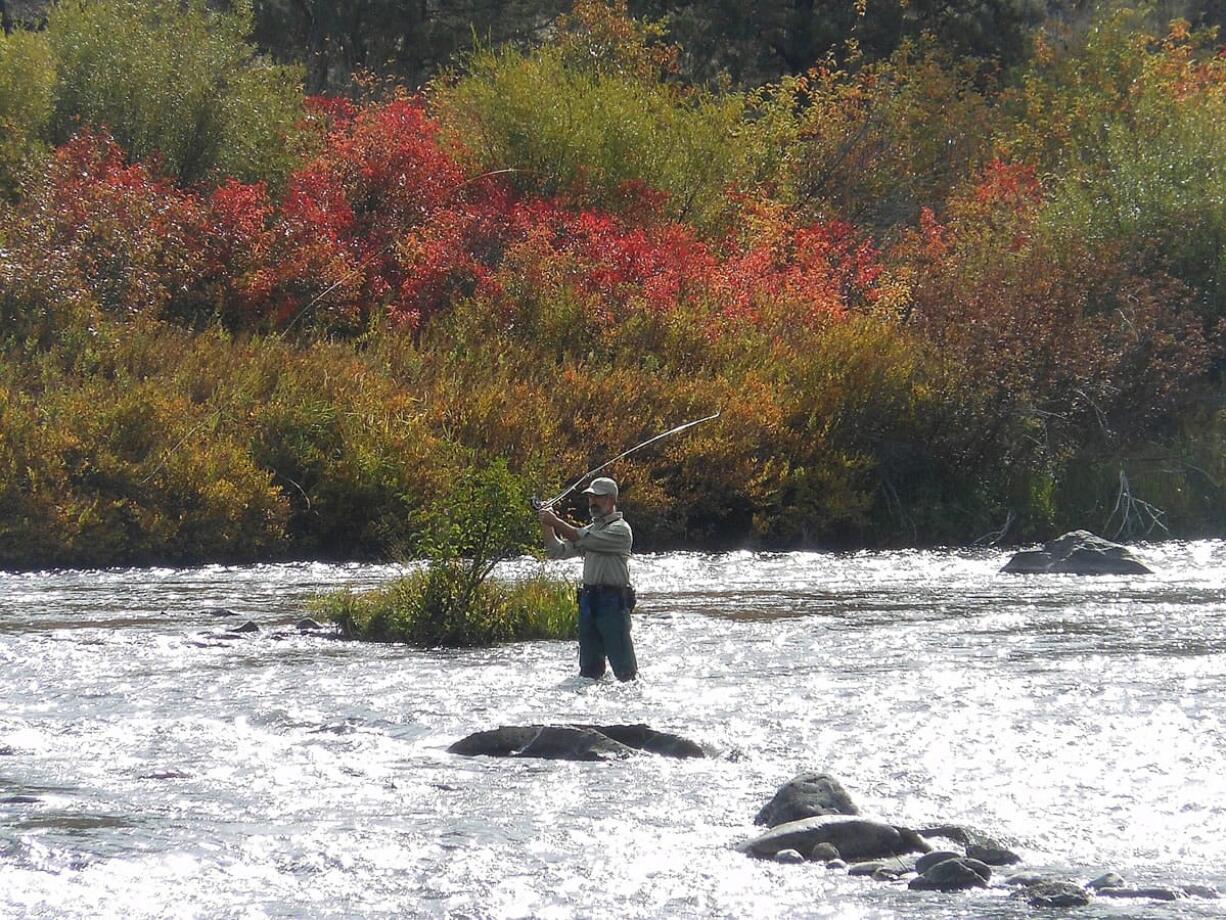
599 504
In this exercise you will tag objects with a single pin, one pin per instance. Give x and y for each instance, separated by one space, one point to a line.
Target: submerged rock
20 800
574 742
165 774
220 612
1077 553
855 838
309 625
1054 893
808 795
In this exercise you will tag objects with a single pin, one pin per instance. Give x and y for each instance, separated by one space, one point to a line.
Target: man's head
601 495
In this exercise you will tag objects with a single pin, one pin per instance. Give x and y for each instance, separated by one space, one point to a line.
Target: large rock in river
1077 553
809 795
575 742
855 838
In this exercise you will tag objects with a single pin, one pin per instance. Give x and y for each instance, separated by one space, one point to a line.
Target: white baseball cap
602 486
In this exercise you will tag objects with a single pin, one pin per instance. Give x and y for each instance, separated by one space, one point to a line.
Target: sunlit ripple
302 777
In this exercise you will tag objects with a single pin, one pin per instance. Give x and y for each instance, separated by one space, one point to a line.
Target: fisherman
606 598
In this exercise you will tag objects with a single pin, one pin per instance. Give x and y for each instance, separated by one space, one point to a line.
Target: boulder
574 742
809 795
836 864
789 856
824 852
1106 880
309 625
1077 553
6 751
956 874
1054 893
854 837
978 845
928 860
251 626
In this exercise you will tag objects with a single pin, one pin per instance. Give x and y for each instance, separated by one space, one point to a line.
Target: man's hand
548 518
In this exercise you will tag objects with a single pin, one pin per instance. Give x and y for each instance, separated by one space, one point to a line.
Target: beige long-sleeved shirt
604 545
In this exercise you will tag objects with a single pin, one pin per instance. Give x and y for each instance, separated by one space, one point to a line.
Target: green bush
598 135
175 80
437 606
27 82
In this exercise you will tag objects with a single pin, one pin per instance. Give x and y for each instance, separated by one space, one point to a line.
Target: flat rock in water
808 795
574 742
1077 553
1152 893
20 800
1201 891
1054 893
855 838
220 612
165 774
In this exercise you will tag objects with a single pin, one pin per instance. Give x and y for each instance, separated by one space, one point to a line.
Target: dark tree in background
409 40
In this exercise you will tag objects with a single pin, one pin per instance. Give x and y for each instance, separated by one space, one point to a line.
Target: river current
150 769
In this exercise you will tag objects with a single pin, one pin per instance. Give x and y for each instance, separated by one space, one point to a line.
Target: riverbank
288 337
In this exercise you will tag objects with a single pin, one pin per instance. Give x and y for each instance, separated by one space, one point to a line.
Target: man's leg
591 646
613 620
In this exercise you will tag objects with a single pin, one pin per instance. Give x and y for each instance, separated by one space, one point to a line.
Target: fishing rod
538 505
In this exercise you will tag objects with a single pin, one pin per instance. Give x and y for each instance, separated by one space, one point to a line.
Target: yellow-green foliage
594 133
27 79
176 80
436 607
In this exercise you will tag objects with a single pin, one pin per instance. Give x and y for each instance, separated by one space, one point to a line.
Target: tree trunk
6 21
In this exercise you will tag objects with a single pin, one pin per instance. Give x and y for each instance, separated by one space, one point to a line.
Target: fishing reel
536 503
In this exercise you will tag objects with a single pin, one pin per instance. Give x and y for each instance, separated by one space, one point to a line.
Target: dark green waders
604 632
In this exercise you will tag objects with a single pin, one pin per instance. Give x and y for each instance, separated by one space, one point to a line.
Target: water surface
151 769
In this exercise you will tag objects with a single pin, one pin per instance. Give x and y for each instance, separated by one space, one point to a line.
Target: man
605 598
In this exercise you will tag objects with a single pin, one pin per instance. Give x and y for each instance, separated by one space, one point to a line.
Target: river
150 770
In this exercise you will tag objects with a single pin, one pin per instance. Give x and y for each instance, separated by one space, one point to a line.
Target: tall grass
437 606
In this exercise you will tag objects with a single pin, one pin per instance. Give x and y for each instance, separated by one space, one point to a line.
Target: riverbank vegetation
939 289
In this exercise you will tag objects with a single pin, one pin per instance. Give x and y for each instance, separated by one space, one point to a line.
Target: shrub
27 81
602 136
176 81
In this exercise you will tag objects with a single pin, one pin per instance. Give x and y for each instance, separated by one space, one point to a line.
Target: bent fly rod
538 505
